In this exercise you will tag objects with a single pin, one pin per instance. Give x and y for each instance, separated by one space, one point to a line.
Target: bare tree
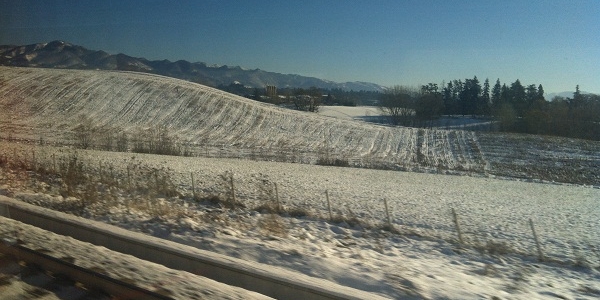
106 136
84 132
122 140
307 100
398 103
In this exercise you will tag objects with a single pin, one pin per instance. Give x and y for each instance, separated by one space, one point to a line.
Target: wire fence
537 224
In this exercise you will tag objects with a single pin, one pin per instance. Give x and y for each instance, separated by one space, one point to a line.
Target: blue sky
553 43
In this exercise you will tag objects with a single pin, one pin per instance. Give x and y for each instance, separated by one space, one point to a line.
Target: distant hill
63 55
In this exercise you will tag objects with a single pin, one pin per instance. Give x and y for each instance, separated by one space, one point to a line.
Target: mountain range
63 55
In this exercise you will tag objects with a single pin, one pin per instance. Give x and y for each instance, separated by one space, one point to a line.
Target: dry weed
273 224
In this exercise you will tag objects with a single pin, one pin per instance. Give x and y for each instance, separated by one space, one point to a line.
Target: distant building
271 91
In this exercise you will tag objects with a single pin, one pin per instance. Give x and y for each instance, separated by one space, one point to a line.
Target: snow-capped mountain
63 55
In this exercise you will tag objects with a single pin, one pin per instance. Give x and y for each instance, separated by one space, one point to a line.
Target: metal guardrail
89 278
282 284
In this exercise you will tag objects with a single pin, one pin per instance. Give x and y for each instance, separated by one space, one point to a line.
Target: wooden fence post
455 217
537 242
387 213
328 205
193 187
277 198
100 171
112 174
128 179
158 189
33 162
232 191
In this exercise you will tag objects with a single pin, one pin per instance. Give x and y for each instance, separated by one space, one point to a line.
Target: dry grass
94 188
85 186
273 224
494 248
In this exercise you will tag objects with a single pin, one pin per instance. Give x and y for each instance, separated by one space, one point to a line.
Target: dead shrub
389 228
268 207
494 248
72 175
268 193
227 197
273 224
89 196
336 162
298 212
159 181
159 207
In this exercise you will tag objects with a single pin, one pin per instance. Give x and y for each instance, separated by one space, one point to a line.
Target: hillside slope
47 103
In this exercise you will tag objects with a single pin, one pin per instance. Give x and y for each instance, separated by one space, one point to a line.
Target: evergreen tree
454 104
541 92
517 97
539 103
531 96
503 109
577 93
430 103
505 93
484 101
496 94
447 98
469 97
578 98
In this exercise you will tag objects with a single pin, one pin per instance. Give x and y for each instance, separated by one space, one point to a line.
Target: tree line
514 107
333 96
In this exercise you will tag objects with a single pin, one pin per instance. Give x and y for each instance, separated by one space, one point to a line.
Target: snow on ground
488 208
423 260
374 114
357 113
45 104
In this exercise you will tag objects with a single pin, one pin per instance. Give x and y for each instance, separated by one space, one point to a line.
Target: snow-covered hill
52 100
47 104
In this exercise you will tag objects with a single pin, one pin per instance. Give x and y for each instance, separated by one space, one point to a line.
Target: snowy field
504 181
45 104
355 113
374 114
422 260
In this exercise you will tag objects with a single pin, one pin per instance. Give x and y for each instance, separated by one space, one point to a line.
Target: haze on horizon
553 43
